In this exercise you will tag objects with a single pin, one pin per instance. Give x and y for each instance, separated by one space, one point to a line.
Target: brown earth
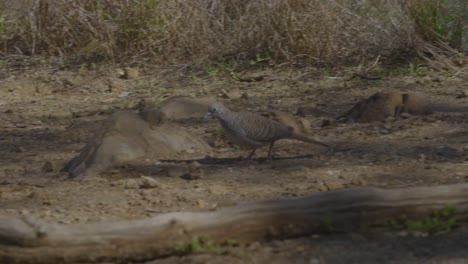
47 117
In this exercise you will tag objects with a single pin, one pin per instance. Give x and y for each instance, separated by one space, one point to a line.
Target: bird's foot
251 155
271 154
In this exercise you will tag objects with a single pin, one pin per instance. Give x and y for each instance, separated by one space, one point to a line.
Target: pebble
130 73
201 203
195 171
52 165
462 94
149 182
232 94
332 185
132 184
176 171
115 86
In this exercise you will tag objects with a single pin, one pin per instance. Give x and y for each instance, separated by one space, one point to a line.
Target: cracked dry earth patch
50 124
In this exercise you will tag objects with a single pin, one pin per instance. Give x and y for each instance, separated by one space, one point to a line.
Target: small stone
408 81
176 171
332 185
20 149
245 95
325 123
217 190
462 94
195 171
232 94
359 181
52 165
68 82
120 73
132 184
24 212
255 246
130 73
115 86
421 157
149 182
123 94
320 186
201 203
424 80
314 261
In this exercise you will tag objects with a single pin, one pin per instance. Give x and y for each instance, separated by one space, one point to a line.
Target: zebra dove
252 131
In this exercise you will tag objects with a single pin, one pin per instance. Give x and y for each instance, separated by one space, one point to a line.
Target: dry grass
200 31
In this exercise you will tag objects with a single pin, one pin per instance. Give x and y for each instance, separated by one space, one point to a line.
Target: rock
325 123
115 85
67 82
195 171
52 165
148 182
123 94
232 94
201 203
130 73
177 171
21 149
462 94
437 78
132 184
424 80
384 131
332 185
44 89
245 96
421 157
217 190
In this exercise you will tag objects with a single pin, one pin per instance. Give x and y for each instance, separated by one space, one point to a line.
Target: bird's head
216 110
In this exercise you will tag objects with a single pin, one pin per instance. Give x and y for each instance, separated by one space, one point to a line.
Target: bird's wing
262 129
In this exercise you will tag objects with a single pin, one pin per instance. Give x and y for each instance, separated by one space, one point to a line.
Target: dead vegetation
295 31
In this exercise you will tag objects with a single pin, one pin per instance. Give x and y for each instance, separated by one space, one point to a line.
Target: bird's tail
308 140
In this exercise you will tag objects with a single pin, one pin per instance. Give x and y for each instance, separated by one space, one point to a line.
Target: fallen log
30 240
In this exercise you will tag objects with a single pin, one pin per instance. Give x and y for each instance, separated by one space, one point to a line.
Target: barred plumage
252 131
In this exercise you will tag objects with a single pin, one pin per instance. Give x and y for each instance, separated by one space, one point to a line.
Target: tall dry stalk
171 31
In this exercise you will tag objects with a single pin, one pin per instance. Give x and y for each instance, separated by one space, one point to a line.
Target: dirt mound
152 116
382 105
182 107
127 136
299 124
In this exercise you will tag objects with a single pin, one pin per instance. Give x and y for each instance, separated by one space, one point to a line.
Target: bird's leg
270 150
251 155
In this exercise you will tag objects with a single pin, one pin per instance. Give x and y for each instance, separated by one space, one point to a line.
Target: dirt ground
47 115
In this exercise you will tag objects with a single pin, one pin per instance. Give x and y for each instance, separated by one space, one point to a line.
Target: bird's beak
208 116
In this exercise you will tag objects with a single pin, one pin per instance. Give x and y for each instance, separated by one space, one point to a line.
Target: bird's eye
213 110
